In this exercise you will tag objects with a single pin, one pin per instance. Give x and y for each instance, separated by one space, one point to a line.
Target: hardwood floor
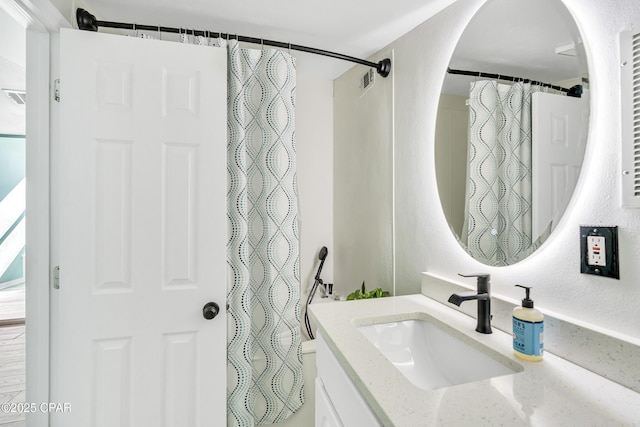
12 372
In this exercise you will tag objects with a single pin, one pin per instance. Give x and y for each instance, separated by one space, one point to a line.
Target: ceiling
353 27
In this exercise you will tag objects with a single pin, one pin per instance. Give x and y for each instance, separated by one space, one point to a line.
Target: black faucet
484 301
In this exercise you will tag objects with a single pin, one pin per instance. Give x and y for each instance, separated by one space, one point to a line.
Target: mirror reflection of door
12 215
559 141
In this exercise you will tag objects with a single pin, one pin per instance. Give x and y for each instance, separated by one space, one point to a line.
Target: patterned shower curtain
498 202
264 354
265 378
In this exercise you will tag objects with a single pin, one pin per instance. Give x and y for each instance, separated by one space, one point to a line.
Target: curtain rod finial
85 20
384 67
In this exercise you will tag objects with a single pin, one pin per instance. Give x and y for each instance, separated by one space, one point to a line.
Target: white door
559 138
142 233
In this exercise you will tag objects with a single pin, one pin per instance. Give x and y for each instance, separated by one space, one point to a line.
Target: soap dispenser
528 328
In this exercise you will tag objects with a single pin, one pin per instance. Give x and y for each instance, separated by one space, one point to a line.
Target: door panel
559 141
143 232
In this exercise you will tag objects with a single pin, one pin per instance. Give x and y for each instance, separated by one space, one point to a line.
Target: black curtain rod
507 78
86 21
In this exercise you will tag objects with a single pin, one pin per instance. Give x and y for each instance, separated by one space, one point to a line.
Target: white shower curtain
264 351
498 202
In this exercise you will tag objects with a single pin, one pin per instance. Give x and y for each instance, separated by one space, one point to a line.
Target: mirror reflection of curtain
497 227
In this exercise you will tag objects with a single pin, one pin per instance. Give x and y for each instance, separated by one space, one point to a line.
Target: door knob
210 310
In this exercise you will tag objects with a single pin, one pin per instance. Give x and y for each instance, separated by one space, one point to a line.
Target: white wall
13 42
363 186
67 8
423 241
314 148
451 157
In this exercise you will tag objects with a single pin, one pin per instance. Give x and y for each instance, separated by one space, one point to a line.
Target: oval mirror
512 127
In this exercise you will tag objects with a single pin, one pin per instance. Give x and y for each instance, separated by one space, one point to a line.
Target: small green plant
363 294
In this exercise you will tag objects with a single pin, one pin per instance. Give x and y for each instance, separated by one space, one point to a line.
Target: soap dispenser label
528 337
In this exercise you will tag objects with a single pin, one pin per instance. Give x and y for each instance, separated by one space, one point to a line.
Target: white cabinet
338 401
325 413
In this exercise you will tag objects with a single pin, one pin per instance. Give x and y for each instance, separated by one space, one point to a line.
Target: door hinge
56 277
56 90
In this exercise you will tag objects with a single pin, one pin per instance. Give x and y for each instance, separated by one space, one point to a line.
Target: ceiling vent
630 86
567 50
17 96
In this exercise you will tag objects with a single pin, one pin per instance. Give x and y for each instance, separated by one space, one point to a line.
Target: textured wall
423 241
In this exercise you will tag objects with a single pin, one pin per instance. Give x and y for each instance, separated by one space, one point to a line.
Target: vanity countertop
553 392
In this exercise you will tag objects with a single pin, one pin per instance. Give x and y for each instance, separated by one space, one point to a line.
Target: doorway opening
12 225
12 215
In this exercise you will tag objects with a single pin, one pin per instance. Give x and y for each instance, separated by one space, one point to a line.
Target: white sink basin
431 357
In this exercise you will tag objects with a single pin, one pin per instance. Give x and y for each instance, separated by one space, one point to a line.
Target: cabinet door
351 408
325 413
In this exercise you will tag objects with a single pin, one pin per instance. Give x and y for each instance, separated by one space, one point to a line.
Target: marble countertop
553 392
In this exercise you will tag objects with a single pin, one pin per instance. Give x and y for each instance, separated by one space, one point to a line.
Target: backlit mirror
512 127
